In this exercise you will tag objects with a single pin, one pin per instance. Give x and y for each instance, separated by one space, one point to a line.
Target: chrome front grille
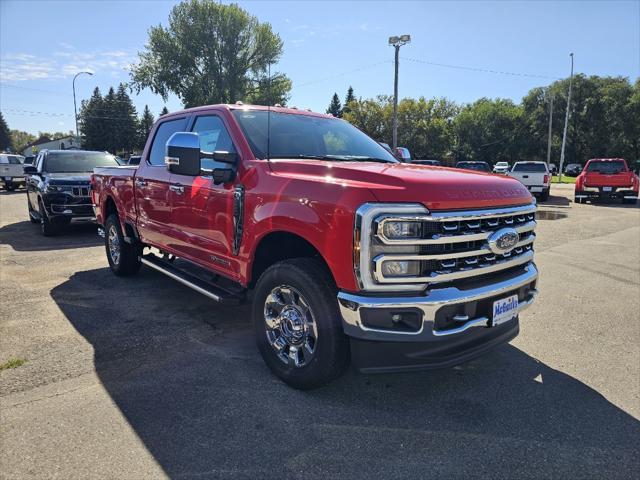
455 245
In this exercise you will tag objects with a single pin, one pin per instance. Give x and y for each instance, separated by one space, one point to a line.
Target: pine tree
348 99
164 111
144 126
335 108
109 121
5 138
126 125
92 126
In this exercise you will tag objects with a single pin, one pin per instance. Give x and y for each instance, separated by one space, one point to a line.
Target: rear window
12 159
530 167
611 167
77 161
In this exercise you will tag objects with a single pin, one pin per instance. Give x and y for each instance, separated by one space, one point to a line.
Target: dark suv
58 186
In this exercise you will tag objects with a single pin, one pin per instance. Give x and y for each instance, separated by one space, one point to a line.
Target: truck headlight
53 189
388 229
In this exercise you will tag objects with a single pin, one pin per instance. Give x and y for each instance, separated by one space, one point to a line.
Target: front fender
326 223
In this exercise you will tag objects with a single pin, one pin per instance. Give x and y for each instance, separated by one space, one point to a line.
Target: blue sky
327 47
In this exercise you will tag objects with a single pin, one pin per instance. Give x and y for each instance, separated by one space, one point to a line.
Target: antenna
269 113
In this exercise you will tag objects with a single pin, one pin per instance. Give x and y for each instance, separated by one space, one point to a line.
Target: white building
46 144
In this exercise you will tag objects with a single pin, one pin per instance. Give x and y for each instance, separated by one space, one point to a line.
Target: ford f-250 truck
351 256
606 178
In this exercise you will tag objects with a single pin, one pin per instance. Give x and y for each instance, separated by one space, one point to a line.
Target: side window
39 162
165 130
213 136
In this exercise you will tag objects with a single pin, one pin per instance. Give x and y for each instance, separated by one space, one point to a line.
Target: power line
342 74
478 69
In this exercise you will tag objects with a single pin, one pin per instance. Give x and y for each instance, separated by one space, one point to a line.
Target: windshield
502 164
530 167
480 166
606 167
309 137
69 162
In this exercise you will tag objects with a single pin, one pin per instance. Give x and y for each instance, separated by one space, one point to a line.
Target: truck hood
80 178
437 188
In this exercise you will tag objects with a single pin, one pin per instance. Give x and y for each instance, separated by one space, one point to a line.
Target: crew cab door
202 212
151 184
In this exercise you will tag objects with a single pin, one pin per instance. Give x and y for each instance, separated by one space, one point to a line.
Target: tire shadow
26 236
185 374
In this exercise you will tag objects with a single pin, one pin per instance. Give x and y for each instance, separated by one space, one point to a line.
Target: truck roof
241 106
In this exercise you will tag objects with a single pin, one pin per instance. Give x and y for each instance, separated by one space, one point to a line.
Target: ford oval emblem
504 240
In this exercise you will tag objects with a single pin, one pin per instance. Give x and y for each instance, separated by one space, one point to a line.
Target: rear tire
544 196
123 257
297 324
10 188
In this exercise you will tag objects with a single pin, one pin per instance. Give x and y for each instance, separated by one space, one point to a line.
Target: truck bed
118 183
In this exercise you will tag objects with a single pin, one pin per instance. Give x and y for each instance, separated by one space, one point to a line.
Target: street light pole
566 122
550 124
75 108
397 42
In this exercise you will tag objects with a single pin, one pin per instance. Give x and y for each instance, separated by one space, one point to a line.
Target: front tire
123 257
297 324
33 217
47 227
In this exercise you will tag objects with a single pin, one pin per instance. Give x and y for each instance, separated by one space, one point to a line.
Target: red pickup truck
350 255
606 178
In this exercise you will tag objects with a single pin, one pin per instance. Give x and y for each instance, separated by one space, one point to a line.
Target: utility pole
566 123
550 123
397 42
75 109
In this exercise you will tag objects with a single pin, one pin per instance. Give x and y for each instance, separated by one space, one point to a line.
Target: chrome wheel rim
291 329
114 245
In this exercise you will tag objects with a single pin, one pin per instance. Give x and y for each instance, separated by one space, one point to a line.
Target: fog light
401 230
402 268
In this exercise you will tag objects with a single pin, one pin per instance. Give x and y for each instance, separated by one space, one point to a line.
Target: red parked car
352 256
605 179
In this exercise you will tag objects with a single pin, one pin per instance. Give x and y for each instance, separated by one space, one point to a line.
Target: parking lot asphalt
143 378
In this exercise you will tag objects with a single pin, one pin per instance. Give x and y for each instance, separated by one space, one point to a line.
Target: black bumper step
200 285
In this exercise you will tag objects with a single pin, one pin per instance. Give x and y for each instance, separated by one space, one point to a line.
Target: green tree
21 139
125 121
347 100
5 137
372 116
164 110
144 126
92 128
335 108
489 130
209 53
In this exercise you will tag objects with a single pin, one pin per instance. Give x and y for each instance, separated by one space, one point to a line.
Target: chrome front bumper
352 305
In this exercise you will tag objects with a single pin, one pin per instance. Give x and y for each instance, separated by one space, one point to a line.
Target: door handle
179 189
140 183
